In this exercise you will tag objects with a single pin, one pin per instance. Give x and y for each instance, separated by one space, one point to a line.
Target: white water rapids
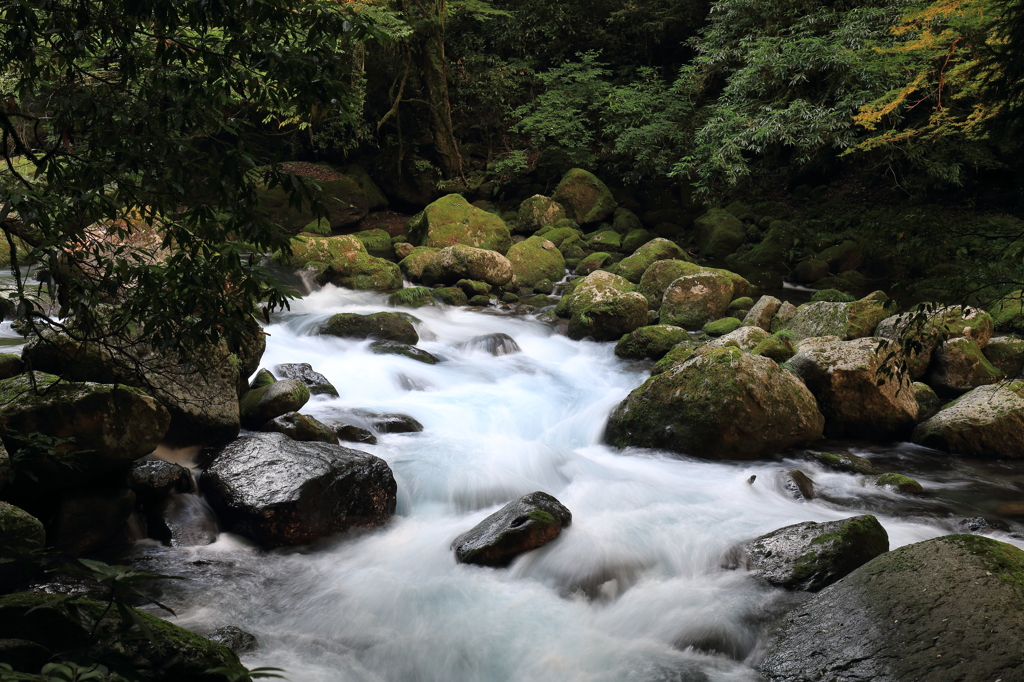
631 591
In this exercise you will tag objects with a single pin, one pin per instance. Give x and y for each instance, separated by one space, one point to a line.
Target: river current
633 590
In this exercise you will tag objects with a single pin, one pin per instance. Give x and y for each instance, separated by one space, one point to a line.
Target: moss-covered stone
842 257
538 212
636 239
676 356
473 287
1008 312
774 248
374 240
387 326
843 461
762 312
742 303
718 233
722 326
10 365
451 220
652 342
845 320
721 404
1006 353
986 422
928 402
625 221
692 301
958 365
412 297
347 262
744 338
810 271
597 287
374 196
659 275
779 347
403 349
258 407
534 260
263 378
924 329
586 199
342 196
609 318
832 296
605 240
902 483
594 261
456 263
451 296
557 235
19 532
479 300
301 427
416 260
635 266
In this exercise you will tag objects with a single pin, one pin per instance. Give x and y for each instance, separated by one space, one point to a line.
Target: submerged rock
878 623
521 525
719 404
282 492
393 423
384 326
316 382
235 638
350 433
842 461
496 344
810 556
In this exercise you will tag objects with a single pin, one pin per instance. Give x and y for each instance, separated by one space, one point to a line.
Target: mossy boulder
778 346
904 484
263 404
586 199
344 199
609 319
762 312
451 220
722 404
451 296
90 630
473 287
1006 353
625 221
455 263
374 196
650 342
659 275
10 365
856 398
594 261
852 320
811 556
676 356
722 326
530 522
597 287
20 534
300 427
718 233
633 267
924 329
744 338
877 623
413 264
773 250
412 297
1008 312
986 422
346 263
388 326
843 461
844 256
538 212
106 427
557 235
810 271
958 365
405 350
928 402
605 240
636 239
692 301
535 259
374 240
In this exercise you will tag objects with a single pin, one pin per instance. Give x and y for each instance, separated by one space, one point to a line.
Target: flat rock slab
810 556
283 492
944 609
521 525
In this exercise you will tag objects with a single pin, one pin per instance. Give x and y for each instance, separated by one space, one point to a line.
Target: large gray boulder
659 275
958 365
943 609
538 212
608 320
104 428
762 313
920 332
694 300
386 326
810 556
986 422
586 199
852 320
282 492
451 264
521 525
719 404
856 398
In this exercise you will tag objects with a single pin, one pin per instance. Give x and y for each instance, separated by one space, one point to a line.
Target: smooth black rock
945 609
810 556
234 638
799 484
403 349
521 525
284 492
495 344
154 479
393 423
353 434
303 371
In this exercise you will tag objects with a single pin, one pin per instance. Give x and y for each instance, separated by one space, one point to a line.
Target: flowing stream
633 590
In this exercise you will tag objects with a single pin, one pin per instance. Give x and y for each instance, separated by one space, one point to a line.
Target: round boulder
300 427
535 259
609 319
586 199
281 397
521 525
452 220
455 263
538 212
386 326
694 300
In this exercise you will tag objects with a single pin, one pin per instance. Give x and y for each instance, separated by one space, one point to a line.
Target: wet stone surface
521 525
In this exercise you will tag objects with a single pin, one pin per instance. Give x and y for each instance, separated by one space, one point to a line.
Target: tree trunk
435 79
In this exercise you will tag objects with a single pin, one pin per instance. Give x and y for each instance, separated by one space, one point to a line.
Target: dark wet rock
183 521
987 422
351 433
21 654
303 371
842 461
719 404
496 344
394 423
20 533
281 397
904 484
284 492
384 326
11 365
521 525
799 484
93 519
810 556
234 638
262 379
403 349
111 426
173 654
300 427
942 609
154 479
